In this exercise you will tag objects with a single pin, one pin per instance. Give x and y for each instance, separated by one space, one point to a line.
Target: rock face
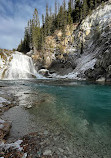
65 65
84 52
101 40
55 47
89 53
102 68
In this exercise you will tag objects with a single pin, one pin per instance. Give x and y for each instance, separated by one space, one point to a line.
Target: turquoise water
82 111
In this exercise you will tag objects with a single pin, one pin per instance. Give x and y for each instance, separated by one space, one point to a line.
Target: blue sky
14 15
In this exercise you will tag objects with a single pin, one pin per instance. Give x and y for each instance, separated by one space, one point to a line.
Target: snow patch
25 155
15 145
3 100
89 65
84 63
2 121
1 126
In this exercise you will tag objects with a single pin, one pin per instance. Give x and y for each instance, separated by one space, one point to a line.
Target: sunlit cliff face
98 18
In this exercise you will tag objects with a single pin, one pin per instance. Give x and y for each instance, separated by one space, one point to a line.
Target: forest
66 14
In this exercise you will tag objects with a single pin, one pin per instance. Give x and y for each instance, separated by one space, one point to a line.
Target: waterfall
17 66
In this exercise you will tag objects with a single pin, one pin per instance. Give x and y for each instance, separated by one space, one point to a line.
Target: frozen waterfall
17 66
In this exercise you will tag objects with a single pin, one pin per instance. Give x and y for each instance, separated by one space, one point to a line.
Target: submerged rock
47 152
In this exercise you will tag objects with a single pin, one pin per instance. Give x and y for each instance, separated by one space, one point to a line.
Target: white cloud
13 19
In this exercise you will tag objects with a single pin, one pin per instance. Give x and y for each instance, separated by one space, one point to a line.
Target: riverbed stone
47 152
46 132
61 150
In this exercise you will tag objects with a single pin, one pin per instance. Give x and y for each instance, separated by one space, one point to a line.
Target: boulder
102 79
30 53
44 72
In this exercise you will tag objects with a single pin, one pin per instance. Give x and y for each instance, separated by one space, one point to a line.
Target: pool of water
82 111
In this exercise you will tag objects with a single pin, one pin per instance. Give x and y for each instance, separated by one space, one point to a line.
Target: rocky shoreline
45 142
42 144
7 101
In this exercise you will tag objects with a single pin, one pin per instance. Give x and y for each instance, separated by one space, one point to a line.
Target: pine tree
47 21
70 21
55 8
36 30
30 34
91 4
65 13
60 18
34 35
20 46
43 31
26 40
85 9
64 19
50 21
76 12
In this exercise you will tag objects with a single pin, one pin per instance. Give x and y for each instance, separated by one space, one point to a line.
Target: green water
82 111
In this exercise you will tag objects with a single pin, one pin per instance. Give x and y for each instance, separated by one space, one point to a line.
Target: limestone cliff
55 46
84 51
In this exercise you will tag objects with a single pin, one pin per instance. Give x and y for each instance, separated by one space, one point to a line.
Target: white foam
17 66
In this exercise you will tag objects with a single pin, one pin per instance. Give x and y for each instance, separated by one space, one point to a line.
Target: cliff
84 51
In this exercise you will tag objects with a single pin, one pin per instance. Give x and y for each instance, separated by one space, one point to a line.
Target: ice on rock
2 121
15 145
1 126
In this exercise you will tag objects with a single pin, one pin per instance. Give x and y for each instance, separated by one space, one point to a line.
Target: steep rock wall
92 46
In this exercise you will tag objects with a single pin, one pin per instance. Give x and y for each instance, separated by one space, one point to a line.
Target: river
78 110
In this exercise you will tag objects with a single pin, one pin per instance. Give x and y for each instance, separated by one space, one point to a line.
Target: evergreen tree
64 14
60 18
30 34
55 8
64 19
43 31
26 40
47 27
36 30
91 4
24 45
70 21
77 12
20 46
34 35
50 21
85 9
